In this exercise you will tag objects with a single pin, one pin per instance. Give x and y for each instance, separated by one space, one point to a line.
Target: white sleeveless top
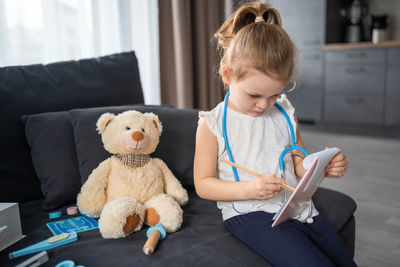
256 143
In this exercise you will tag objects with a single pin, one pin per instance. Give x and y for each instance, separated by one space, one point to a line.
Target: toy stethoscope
244 206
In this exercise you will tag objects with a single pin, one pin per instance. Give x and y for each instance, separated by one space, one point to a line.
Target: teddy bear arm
172 186
92 197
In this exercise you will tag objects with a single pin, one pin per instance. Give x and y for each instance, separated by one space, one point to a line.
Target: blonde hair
262 45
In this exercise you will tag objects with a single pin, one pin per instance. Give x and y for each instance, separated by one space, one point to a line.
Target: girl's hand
337 166
264 187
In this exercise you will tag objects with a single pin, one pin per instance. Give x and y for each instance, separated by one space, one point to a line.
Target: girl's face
254 94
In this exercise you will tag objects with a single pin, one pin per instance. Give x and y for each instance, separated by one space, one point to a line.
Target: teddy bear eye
142 130
127 128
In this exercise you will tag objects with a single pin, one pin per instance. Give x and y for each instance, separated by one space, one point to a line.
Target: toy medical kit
75 224
10 225
35 260
316 164
67 263
56 214
72 210
245 205
154 233
52 242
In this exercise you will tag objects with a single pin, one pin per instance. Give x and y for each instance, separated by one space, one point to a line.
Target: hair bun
272 16
244 16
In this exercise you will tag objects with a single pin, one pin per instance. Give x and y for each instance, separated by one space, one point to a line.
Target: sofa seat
202 240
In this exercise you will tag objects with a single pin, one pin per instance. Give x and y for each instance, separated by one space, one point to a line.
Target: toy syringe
154 234
52 242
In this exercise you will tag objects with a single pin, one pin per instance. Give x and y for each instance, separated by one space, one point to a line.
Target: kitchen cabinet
304 21
347 108
355 78
357 56
307 96
354 86
392 93
362 85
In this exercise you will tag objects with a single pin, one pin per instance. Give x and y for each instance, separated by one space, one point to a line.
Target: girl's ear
226 74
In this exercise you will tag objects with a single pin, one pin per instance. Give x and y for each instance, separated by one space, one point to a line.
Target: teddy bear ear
155 120
103 121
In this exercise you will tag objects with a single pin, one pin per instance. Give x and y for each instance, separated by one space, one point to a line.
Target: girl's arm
209 187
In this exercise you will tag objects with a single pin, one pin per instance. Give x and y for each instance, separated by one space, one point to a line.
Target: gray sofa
50 145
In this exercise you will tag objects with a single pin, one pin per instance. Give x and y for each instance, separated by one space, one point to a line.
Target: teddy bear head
130 132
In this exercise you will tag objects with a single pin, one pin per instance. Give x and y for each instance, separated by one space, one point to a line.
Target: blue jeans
291 243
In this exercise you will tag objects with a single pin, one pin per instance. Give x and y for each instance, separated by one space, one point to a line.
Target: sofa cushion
336 207
55 158
50 136
109 80
176 147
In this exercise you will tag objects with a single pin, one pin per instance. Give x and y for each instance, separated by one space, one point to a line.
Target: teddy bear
130 188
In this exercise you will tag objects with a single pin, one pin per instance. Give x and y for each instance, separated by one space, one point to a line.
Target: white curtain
44 31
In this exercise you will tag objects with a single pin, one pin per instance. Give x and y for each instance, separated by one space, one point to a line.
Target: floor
373 180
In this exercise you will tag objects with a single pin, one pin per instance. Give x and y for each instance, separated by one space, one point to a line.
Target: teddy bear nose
137 136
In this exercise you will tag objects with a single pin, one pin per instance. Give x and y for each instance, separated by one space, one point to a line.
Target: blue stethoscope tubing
281 157
281 162
224 134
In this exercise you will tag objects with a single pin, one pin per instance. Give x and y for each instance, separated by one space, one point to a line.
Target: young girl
258 63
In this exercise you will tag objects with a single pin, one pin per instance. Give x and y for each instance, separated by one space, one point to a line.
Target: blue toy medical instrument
67 263
74 224
154 233
52 242
244 206
56 214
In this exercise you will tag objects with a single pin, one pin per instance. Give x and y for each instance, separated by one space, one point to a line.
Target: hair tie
259 19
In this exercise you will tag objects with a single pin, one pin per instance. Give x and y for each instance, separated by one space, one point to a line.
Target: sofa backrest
104 81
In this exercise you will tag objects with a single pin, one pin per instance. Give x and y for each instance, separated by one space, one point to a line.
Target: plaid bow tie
133 160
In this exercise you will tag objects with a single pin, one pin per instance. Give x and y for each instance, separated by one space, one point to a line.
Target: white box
10 225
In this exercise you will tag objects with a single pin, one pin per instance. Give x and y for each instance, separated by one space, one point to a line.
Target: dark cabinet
347 108
354 86
392 94
355 79
307 97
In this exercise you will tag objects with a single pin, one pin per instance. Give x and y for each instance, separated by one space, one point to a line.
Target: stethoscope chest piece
243 206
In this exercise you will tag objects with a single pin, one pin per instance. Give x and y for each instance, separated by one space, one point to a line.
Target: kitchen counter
361 45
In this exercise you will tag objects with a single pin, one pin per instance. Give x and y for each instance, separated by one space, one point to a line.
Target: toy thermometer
52 242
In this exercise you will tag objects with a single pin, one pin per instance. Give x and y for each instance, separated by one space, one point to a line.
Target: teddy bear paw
132 221
182 197
121 217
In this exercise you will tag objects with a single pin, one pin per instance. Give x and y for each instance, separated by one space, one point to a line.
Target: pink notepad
299 199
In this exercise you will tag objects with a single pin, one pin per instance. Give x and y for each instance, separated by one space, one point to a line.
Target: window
44 31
